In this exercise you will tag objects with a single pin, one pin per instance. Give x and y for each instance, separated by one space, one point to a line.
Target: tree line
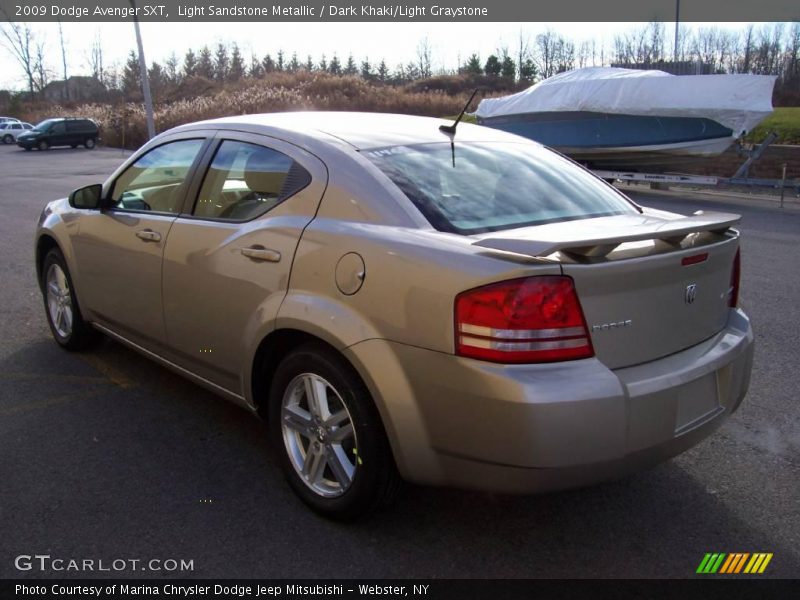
772 49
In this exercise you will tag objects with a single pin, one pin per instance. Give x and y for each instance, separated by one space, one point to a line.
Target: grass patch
785 121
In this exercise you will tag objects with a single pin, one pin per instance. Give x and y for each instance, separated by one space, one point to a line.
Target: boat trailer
741 177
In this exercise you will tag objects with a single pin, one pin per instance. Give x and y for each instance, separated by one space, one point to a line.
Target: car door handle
261 253
148 235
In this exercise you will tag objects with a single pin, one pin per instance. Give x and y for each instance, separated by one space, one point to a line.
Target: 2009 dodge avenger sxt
398 300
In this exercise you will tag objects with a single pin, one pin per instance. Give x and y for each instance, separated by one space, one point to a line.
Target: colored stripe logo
734 563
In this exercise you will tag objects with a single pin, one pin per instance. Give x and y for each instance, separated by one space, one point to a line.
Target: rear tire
328 435
61 305
89 143
43 145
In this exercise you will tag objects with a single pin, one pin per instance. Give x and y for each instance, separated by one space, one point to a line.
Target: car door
119 249
228 258
57 134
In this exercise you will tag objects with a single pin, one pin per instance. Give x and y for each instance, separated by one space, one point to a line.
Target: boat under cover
611 117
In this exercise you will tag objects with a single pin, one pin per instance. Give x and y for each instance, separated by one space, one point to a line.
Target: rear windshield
478 187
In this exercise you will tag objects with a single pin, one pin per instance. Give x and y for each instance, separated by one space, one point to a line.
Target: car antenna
452 128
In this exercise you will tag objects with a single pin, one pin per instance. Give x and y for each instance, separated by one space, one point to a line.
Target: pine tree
294 64
279 64
383 71
171 69
268 65
255 70
492 66
527 71
189 64
157 80
366 69
323 64
350 68
309 66
335 67
221 62
473 66
205 66
236 71
508 68
131 76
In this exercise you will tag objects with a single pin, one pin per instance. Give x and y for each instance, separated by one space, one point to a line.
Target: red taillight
535 319
733 294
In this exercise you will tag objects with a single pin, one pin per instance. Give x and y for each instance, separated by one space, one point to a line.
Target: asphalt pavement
107 456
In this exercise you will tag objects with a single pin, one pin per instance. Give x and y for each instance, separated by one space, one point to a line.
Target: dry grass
123 124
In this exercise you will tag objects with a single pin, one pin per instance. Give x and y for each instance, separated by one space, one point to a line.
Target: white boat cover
738 101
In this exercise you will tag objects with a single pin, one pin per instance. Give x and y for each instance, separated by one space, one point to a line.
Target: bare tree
40 69
583 54
748 50
545 53
63 59
523 52
17 38
424 53
96 65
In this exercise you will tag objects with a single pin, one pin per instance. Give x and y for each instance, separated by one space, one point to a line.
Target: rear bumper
526 428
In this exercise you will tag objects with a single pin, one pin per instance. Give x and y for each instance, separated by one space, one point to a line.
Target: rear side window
80 125
245 181
479 187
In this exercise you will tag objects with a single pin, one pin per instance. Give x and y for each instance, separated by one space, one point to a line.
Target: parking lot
107 456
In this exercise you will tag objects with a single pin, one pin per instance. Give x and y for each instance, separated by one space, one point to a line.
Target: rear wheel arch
272 349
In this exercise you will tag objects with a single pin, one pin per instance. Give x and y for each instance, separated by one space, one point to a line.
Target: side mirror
86 197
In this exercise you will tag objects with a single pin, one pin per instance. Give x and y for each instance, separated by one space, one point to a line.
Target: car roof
358 129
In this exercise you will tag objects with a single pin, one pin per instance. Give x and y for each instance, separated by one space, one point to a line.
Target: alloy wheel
319 436
59 301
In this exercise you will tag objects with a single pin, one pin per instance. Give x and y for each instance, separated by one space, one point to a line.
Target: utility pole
677 20
148 99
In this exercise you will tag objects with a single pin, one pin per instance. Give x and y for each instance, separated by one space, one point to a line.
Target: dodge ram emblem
691 293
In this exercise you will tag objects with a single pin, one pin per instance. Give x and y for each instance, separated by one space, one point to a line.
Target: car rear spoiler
671 231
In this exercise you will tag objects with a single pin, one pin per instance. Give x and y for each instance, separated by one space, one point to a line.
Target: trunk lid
650 285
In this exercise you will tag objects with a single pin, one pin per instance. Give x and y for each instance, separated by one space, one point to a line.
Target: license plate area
698 402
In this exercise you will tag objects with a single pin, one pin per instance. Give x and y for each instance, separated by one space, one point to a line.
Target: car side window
246 180
57 127
154 182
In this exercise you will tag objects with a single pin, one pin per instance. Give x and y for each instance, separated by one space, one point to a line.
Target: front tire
43 145
61 306
328 435
8 139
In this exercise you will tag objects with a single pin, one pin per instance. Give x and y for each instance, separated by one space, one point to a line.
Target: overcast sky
394 42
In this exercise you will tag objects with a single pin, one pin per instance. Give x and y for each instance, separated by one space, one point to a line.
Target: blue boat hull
605 140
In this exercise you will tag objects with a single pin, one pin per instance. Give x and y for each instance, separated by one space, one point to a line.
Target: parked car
9 120
60 132
466 309
10 130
